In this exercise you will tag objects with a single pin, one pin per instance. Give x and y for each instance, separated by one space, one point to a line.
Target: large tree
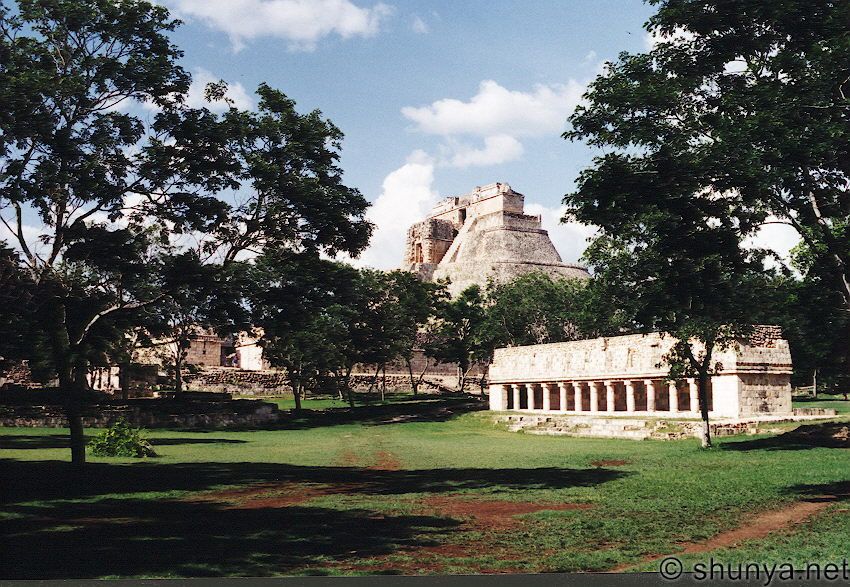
737 117
87 173
749 98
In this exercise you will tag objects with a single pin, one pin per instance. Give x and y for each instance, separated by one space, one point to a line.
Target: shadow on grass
161 536
41 441
838 491
181 538
425 410
826 435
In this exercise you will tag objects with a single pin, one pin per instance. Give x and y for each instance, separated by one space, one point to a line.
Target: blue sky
434 97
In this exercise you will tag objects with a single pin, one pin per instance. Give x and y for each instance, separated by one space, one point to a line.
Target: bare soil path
754 528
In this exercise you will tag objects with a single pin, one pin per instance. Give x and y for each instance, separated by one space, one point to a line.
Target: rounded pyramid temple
483 235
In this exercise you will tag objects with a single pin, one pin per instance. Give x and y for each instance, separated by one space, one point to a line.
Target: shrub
121 440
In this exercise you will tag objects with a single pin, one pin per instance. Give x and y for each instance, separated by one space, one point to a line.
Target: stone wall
149 414
753 376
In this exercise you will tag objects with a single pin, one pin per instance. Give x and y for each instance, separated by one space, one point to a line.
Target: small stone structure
481 235
626 375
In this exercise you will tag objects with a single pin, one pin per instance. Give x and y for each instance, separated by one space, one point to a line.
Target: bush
121 440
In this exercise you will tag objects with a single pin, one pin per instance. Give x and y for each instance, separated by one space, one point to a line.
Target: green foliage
738 115
121 440
535 308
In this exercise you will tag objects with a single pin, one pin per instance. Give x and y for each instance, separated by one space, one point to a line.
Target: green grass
366 491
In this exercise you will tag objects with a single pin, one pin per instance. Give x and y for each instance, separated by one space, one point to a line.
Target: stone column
650 395
609 398
593 387
630 395
694 392
516 395
674 396
529 394
547 402
577 395
562 396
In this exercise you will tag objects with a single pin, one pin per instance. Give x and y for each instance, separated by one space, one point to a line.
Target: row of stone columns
596 388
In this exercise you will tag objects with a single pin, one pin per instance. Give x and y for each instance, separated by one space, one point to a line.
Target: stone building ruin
481 235
627 376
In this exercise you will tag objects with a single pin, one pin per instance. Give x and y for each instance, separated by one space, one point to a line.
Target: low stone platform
639 428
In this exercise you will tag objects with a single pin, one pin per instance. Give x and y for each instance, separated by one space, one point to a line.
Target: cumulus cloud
497 149
419 26
779 238
235 92
569 239
195 98
654 37
407 196
301 22
496 110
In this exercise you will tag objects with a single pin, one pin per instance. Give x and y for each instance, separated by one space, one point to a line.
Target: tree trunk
60 343
702 391
384 382
413 383
815 383
178 373
461 378
347 384
296 394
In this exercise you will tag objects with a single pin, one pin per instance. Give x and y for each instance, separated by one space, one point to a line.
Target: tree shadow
53 511
440 410
182 538
806 437
837 491
43 441
42 480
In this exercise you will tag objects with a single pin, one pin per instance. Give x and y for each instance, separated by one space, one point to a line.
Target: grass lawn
453 496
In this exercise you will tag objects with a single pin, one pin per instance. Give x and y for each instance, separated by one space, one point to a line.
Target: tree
751 99
736 118
417 303
813 320
457 335
299 303
74 158
535 309
197 298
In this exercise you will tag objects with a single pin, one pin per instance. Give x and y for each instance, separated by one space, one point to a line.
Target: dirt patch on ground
610 463
487 516
492 514
755 528
386 461
270 495
347 458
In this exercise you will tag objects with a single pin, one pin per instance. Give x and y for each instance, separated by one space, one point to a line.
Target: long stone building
481 235
626 375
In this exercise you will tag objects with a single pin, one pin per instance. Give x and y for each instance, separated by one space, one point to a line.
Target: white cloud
654 37
497 149
235 92
301 22
779 238
496 110
569 239
406 198
419 26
